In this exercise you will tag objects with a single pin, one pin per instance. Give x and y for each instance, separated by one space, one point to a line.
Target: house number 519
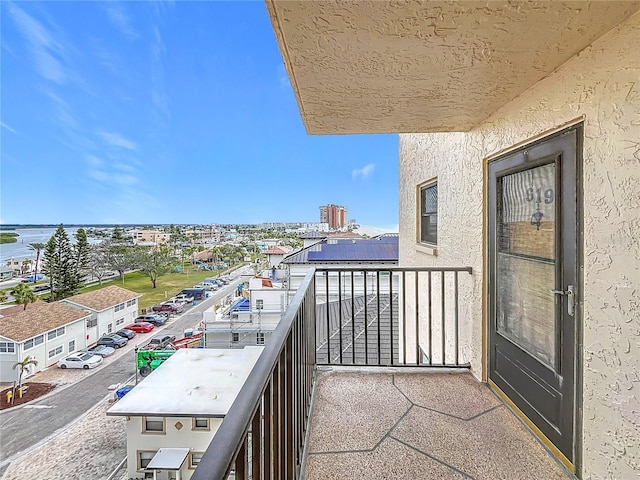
537 195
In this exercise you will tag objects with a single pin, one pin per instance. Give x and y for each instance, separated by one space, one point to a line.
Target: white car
80 360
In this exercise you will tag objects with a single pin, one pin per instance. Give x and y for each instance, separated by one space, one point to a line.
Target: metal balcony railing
366 316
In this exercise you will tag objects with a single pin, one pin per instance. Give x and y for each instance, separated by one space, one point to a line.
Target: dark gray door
533 233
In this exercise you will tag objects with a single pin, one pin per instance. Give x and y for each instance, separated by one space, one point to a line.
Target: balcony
367 377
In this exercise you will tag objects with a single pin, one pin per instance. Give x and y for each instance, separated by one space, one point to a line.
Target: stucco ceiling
431 66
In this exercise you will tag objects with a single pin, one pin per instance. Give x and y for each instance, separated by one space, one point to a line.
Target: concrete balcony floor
418 426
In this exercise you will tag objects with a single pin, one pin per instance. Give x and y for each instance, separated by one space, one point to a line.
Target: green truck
149 360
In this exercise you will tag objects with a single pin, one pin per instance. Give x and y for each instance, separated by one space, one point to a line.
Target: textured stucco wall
435 66
601 84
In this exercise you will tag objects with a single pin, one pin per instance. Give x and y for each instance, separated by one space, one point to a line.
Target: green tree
36 247
81 253
155 262
59 265
3 296
23 295
98 262
119 257
118 235
23 366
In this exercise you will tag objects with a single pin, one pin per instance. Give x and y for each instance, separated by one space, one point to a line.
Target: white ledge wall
601 84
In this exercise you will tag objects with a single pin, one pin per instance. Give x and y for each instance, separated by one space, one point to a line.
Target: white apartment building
250 319
173 414
44 331
111 309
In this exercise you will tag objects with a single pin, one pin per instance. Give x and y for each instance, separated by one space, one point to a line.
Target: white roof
168 459
193 382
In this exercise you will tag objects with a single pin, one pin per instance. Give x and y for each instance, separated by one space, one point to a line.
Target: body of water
21 249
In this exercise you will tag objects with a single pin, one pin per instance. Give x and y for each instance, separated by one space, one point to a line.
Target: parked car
140 327
206 286
160 341
126 333
225 280
174 302
154 318
101 350
80 360
183 297
196 293
112 340
41 288
168 307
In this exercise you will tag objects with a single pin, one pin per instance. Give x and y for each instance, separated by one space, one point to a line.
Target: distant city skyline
160 113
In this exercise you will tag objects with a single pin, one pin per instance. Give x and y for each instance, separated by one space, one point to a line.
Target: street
25 427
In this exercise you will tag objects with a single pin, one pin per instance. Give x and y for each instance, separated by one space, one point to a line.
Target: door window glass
526 260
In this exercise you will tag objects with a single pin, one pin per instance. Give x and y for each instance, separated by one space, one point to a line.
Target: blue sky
151 112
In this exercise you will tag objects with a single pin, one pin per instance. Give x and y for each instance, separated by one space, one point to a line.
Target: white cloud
44 48
4 125
117 140
119 18
363 172
94 161
158 92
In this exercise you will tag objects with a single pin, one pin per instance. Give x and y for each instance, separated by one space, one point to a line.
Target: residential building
377 252
334 215
5 273
250 319
173 414
311 238
111 309
19 266
44 331
150 237
276 254
523 173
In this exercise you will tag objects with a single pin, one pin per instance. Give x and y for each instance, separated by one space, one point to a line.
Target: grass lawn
172 283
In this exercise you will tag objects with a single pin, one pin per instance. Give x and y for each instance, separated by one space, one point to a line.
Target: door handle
571 298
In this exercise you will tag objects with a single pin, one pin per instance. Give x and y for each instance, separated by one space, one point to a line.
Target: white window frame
55 352
33 342
260 338
58 332
259 304
72 346
7 347
92 322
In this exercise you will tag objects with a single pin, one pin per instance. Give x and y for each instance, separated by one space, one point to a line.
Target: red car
141 327
167 307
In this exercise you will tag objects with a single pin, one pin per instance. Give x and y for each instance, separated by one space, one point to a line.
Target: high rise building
334 215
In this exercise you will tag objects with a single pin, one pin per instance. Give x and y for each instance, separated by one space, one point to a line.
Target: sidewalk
93 446
89 449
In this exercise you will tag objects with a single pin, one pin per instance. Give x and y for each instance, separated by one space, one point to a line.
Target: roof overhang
430 66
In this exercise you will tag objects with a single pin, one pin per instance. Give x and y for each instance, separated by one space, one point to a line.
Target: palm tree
23 366
37 247
23 295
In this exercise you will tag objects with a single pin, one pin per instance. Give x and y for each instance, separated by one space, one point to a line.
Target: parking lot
74 414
